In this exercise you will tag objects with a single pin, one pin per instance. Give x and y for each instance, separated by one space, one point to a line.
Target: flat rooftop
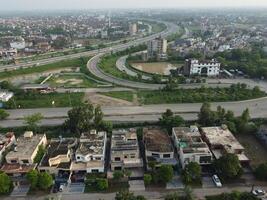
157 140
56 148
124 140
17 168
92 143
25 146
189 140
222 136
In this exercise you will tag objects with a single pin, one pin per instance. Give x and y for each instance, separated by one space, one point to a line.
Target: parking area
75 188
136 185
20 191
207 182
175 183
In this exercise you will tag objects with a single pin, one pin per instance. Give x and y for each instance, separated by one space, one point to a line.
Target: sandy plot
103 100
71 81
162 68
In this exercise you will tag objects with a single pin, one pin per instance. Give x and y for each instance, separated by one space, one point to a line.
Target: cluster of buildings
39 34
213 34
70 159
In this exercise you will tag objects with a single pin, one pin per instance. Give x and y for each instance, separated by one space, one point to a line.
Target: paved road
171 28
93 68
151 195
55 116
93 62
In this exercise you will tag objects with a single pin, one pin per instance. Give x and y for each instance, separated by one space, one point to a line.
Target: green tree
165 173
3 114
172 196
33 120
118 175
191 173
33 176
124 195
261 172
98 117
40 154
102 184
168 120
147 179
206 117
229 166
5 183
45 181
80 118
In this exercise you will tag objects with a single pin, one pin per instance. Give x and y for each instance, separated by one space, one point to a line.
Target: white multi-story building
190 146
6 141
90 155
157 49
125 152
205 68
133 29
18 44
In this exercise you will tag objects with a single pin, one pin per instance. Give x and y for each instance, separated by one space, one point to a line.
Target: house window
13 161
117 159
94 170
166 155
125 156
98 158
156 155
25 161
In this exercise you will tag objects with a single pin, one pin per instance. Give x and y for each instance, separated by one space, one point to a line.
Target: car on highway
216 181
258 192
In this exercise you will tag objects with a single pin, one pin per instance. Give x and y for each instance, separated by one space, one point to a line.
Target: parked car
61 187
216 180
258 192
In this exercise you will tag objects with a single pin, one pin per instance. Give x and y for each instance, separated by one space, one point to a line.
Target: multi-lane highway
171 28
55 116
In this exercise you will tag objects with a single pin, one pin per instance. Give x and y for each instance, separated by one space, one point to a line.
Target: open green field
197 95
71 81
36 100
190 95
38 69
124 95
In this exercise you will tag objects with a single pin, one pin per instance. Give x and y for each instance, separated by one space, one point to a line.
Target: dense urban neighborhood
133 104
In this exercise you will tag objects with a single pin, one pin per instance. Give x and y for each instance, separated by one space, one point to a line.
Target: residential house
190 146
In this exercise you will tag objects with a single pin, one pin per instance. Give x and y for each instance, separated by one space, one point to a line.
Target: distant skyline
10 5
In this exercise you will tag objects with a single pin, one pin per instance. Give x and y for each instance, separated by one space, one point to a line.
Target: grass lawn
255 151
71 81
188 95
37 69
45 100
125 95
196 95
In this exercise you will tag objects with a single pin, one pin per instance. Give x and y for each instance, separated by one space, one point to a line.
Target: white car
216 180
258 192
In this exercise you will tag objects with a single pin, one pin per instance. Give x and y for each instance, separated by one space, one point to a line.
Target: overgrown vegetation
37 100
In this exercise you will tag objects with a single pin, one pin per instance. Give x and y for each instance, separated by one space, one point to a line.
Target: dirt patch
102 100
71 81
162 68
254 150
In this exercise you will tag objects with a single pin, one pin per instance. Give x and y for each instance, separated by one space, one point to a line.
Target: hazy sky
91 4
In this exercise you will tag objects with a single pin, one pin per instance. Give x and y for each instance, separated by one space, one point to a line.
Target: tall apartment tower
133 29
157 49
